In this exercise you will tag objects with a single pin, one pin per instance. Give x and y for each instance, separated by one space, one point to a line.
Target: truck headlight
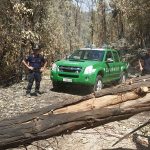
89 70
54 67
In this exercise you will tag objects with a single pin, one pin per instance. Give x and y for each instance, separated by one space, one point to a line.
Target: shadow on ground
80 90
73 89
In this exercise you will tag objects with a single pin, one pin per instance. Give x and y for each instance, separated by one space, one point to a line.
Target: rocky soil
14 102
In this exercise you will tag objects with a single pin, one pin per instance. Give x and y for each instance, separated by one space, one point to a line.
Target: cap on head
35 47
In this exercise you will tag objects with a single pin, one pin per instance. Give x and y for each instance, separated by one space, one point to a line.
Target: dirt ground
13 102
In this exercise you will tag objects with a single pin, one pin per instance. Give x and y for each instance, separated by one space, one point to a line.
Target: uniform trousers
34 76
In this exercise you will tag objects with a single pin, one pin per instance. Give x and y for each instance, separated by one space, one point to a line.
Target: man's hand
42 69
141 68
31 68
140 65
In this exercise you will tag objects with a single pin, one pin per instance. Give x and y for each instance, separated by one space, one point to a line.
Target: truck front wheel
98 84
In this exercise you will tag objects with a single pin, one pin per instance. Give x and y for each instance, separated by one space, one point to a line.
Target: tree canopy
63 25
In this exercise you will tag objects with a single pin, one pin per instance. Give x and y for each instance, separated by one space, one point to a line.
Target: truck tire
98 84
123 77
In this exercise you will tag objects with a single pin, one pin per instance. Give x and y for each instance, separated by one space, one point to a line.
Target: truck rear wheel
123 78
98 84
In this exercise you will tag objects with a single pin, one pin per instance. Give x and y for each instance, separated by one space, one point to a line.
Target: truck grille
69 69
70 76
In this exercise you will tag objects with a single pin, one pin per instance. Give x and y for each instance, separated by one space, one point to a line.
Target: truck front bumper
83 79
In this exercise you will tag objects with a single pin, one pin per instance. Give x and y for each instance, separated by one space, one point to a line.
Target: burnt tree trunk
109 105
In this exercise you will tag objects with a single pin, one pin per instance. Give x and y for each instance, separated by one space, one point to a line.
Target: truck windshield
87 55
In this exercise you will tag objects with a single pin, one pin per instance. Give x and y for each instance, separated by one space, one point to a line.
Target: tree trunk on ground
87 112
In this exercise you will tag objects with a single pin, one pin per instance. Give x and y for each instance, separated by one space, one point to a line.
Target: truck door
109 72
117 65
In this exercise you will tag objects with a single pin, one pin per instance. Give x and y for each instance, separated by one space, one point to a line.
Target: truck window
116 57
108 55
76 55
88 55
93 55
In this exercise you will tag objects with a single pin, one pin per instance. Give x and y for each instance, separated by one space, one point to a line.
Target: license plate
67 80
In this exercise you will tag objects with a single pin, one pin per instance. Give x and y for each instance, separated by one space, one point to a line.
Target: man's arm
26 64
44 65
140 64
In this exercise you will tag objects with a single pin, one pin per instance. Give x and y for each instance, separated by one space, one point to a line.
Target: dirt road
13 102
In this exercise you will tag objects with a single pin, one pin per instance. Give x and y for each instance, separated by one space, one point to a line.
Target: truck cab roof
92 49
100 49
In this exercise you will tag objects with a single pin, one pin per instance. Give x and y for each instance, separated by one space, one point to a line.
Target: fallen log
86 112
124 87
141 78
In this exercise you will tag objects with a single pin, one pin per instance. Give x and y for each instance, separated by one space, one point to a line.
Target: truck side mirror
109 60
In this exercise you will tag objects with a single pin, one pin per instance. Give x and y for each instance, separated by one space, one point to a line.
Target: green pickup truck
93 67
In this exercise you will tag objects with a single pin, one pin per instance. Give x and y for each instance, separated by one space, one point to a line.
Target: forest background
61 26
